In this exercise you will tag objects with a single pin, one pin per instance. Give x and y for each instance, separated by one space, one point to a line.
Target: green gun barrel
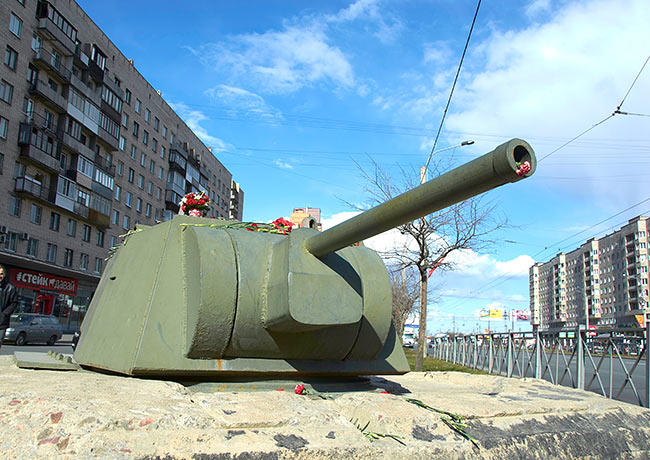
480 175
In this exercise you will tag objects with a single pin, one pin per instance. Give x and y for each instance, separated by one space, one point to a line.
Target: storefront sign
38 280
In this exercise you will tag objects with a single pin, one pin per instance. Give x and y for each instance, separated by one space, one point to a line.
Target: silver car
32 327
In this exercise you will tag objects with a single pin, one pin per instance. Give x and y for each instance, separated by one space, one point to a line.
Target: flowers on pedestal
195 204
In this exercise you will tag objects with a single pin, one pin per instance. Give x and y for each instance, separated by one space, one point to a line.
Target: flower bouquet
195 204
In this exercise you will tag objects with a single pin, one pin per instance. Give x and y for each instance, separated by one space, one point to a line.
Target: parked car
32 327
409 340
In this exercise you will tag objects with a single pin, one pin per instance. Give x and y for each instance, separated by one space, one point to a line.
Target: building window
55 219
100 238
136 128
87 232
134 151
51 253
145 137
35 216
127 199
148 210
11 56
137 105
14 206
113 241
37 42
162 152
115 218
156 123
141 181
98 265
122 143
161 172
150 188
32 247
127 96
120 168
138 205
10 245
147 115
4 127
72 227
6 91
164 132
131 175
2 161
152 166
126 222
154 145
143 159
159 193
15 25
67 258
83 263
118 191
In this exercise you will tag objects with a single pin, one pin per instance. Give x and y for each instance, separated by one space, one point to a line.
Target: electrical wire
453 86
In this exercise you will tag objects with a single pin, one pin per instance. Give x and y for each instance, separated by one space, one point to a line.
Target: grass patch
433 364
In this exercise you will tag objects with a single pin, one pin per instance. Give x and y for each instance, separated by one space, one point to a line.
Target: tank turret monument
200 329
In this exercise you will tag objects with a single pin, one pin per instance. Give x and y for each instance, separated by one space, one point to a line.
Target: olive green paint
194 298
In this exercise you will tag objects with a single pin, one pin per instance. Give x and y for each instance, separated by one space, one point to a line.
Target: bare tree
466 225
405 288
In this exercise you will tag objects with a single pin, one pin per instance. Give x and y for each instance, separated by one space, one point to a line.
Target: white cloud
193 119
240 99
281 61
537 7
553 80
282 164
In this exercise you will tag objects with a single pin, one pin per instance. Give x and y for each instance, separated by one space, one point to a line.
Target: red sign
38 280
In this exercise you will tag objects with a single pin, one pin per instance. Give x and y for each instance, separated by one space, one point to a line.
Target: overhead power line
453 86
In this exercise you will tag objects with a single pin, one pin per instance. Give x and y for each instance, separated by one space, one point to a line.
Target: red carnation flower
300 389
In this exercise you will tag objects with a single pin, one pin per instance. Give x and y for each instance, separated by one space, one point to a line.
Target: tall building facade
88 149
606 278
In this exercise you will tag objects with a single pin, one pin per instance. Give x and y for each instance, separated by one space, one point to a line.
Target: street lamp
424 169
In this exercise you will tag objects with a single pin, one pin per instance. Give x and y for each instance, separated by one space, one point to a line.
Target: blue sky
293 95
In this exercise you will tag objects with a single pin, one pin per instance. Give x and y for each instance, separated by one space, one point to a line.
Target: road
59 347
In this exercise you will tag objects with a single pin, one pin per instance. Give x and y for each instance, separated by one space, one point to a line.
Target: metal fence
612 362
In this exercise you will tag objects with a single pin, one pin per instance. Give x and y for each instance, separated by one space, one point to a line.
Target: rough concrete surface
84 415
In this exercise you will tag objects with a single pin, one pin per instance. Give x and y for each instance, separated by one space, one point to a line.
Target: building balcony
177 189
109 141
31 187
171 200
42 90
51 31
84 89
95 72
98 218
77 146
48 159
81 210
46 61
80 57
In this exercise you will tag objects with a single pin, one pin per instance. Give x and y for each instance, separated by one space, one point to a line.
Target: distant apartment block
88 149
606 278
299 215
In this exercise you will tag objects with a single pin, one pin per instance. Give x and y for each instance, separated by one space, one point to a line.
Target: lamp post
423 294
423 170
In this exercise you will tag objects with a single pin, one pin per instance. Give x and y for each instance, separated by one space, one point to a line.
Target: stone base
69 415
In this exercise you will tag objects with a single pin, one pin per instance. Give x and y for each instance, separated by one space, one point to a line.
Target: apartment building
606 278
88 150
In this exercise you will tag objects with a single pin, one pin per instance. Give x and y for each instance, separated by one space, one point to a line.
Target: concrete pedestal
69 415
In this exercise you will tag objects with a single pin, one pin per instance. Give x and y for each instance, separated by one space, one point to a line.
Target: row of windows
32 249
